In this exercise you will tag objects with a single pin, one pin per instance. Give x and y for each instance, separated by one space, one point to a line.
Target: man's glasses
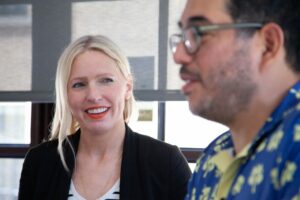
191 36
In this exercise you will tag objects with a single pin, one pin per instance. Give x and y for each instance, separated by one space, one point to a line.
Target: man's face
219 77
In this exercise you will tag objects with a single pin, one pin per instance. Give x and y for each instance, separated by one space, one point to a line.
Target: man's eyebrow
194 19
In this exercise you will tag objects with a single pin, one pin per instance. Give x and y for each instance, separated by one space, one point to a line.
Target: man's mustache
185 71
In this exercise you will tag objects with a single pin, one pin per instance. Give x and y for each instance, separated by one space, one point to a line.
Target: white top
112 194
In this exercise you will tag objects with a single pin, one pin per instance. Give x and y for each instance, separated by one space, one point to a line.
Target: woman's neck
101 145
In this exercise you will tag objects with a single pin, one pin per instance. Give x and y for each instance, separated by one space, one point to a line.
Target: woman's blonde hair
63 123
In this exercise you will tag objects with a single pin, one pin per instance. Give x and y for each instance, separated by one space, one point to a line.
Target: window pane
187 130
175 10
133 25
145 119
9 178
192 166
15 120
15 47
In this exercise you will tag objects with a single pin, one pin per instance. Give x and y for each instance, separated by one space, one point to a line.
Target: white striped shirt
112 194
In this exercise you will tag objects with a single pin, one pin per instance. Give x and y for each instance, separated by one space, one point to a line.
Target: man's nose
180 55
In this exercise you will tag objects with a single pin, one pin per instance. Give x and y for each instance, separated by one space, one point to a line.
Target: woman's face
97 92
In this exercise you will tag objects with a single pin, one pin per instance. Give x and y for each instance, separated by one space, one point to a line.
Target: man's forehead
204 11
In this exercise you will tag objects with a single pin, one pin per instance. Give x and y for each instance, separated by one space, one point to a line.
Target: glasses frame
175 39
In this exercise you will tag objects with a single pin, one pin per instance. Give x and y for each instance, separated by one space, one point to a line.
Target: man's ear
273 41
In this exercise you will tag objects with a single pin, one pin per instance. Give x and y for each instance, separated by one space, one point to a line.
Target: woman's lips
97 112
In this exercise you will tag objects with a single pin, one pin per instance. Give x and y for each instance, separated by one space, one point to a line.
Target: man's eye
77 85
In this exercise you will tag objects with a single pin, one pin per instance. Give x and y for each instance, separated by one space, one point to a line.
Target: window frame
42 106
41 117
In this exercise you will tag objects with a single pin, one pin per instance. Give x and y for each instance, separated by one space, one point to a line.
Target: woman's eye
107 80
77 85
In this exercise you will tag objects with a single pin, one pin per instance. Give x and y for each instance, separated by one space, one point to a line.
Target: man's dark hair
285 13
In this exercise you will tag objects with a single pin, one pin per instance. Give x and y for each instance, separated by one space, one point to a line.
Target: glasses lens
192 40
174 41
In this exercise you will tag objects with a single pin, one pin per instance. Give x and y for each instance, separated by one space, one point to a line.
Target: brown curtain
41 118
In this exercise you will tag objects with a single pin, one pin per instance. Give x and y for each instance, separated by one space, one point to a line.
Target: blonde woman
92 153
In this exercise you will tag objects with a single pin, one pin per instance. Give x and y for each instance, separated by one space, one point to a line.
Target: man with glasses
240 61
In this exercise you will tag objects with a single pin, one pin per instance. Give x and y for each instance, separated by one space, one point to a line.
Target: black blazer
150 170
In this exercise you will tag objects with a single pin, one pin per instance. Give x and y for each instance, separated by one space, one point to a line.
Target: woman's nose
94 94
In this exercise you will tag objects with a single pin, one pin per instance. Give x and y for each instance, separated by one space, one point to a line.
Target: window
187 130
10 175
145 119
15 119
175 10
15 47
34 34
134 29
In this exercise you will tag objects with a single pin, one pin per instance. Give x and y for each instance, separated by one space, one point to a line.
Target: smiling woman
92 152
94 76
147 24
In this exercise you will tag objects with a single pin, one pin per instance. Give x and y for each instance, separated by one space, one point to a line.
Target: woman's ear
74 125
273 41
129 87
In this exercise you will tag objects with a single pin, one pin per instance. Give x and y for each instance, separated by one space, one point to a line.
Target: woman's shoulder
155 153
46 144
45 148
48 147
147 141
153 149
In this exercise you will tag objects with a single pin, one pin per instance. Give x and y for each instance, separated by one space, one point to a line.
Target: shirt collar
288 104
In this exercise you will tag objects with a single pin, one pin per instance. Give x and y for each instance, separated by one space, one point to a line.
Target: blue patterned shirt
268 168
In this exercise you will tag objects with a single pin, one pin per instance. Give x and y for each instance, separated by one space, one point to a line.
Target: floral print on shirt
271 169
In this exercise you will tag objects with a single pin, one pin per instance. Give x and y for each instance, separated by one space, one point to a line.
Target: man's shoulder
288 131
223 141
